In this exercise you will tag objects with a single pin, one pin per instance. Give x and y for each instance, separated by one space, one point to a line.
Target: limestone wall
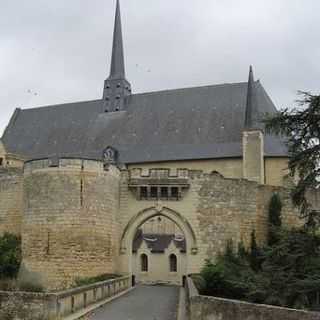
275 170
230 168
217 209
11 200
69 224
27 306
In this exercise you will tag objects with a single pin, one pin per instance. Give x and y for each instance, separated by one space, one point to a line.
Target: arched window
173 263
144 262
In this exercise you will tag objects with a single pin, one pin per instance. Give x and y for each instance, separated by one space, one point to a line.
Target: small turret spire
116 87
117 70
249 121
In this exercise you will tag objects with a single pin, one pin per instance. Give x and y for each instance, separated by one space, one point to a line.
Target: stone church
80 182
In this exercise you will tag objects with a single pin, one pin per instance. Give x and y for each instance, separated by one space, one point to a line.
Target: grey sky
59 51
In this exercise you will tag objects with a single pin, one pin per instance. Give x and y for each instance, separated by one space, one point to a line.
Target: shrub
275 221
10 255
79 282
288 273
30 287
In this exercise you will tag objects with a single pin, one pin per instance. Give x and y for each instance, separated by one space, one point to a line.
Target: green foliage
301 127
287 274
228 277
255 254
275 222
79 282
30 287
10 255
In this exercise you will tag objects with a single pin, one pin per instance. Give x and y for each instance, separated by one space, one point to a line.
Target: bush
79 282
10 255
275 221
8 285
287 273
30 287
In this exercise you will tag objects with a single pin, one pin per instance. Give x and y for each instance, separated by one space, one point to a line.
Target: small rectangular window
1 162
164 192
175 192
144 192
154 192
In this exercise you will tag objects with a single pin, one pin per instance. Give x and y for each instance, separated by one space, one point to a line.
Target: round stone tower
69 227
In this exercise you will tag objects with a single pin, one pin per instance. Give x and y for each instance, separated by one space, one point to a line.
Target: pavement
142 303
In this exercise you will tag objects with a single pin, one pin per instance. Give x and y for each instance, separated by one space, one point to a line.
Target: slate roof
192 123
157 243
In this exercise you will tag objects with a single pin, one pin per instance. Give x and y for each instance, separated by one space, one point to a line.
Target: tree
255 255
10 255
275 207
301 129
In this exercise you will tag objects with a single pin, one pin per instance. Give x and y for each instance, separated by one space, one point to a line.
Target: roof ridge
60 104
190 88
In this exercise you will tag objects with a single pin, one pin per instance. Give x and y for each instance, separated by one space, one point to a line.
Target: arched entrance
158 257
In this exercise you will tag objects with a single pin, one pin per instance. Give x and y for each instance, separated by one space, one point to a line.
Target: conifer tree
254 252
275 207
301 128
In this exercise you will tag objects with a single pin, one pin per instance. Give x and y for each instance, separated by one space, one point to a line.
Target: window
144 262
175 192
154 192
1 162
173 263
144 192
164 192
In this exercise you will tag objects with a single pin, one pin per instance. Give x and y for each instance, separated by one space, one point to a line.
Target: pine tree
301 128
255 260
275 207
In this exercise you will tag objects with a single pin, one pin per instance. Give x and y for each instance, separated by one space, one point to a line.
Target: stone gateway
80 182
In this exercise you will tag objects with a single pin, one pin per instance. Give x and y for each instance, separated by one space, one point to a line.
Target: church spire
116 87
117 70
250 101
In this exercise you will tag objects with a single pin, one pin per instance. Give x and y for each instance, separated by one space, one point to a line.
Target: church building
80 182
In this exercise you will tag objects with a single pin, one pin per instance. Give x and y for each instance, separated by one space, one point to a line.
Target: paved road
143 303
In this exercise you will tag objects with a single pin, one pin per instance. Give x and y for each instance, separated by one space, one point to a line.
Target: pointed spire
117 70
116 87
249 121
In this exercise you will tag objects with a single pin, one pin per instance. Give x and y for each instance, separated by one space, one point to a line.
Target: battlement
64 164
160 173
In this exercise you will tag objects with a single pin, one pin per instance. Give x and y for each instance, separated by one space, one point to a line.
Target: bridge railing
75 300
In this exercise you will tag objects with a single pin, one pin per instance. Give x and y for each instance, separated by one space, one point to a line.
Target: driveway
142 303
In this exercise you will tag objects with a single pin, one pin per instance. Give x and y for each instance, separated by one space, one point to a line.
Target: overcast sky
59 51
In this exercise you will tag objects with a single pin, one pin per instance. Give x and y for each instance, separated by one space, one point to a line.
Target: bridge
142 303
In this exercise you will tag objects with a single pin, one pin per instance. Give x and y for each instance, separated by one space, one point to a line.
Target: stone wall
205 308
11 200
69 224
218 209
232 208
27 306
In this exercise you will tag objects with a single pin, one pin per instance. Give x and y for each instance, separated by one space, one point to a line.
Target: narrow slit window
144 263
173 263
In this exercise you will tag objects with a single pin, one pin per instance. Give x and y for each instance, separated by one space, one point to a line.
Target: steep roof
192 123
158 243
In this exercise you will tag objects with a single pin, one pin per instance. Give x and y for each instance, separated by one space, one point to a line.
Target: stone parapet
205 307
